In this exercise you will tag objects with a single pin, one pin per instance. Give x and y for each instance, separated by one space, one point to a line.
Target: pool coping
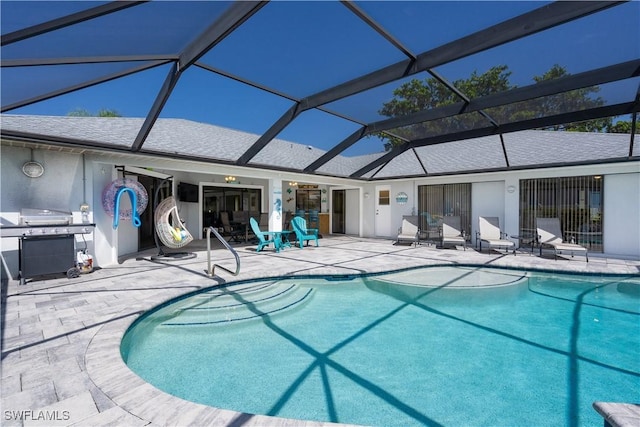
128 390
619 414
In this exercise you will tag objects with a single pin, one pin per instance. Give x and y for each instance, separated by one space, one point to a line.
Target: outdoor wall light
230 178
33 169
293 184
84 211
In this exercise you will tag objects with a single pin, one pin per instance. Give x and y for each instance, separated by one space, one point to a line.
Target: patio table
281 239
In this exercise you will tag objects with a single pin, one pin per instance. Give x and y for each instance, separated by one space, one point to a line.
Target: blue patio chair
260 235
302 232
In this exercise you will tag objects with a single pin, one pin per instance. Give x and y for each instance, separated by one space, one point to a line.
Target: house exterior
77 175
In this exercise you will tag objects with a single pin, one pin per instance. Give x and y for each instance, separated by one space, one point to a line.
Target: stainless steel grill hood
31 217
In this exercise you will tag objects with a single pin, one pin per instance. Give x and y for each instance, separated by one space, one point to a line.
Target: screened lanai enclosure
365 89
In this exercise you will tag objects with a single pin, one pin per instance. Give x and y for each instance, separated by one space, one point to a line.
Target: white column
275 202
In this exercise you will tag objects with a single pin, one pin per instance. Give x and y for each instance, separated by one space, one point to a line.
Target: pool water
418 347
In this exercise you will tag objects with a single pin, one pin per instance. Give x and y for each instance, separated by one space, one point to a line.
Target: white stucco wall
59 188
621 214
368 210
106 240
487 199
352 212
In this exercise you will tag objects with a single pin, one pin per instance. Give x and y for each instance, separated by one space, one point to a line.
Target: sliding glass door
236 201
577 201
437 201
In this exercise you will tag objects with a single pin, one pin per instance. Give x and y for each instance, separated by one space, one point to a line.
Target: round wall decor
402 198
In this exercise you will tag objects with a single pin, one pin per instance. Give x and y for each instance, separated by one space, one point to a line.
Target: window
383 198
577 201
307 200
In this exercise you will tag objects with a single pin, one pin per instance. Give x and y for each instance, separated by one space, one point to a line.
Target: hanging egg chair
170 230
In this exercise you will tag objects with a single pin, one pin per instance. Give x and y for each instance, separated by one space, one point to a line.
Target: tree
621 126
79 112
108 113
417 95
574 100
103 112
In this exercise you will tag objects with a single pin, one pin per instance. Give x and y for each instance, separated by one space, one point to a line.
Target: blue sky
297 48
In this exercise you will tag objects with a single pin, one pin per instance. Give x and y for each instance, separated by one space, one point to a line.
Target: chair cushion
453 239
407 237
568 247
498 242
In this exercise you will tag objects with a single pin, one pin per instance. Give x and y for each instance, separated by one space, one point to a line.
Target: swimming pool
417 347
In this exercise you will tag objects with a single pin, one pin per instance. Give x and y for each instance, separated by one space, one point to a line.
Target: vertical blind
436 201
577 201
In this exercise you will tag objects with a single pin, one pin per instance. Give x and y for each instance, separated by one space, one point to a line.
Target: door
383 211
212 198
337 216
147 230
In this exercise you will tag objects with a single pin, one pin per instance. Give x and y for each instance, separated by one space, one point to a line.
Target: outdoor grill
47 242
35 217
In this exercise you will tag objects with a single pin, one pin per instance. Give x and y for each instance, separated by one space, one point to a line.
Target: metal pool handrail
210 269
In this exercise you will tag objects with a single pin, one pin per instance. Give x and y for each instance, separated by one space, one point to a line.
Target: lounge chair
550 234
489 232
262 236
302 232
452 232
228 230
408 232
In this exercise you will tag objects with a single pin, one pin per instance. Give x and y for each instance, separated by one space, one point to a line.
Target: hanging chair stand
169 229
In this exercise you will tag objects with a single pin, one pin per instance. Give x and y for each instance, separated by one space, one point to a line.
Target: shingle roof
179 137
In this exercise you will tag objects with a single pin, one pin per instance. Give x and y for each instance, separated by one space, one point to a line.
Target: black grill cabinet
40 255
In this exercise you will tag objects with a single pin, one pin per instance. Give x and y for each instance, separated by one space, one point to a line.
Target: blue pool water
418 347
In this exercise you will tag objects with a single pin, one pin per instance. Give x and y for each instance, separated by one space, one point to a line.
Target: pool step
237 305
224 298
243 289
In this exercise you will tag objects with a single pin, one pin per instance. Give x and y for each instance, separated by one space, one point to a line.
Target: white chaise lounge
490 233
550 234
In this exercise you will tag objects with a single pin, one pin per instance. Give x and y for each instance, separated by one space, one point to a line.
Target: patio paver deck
61 363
